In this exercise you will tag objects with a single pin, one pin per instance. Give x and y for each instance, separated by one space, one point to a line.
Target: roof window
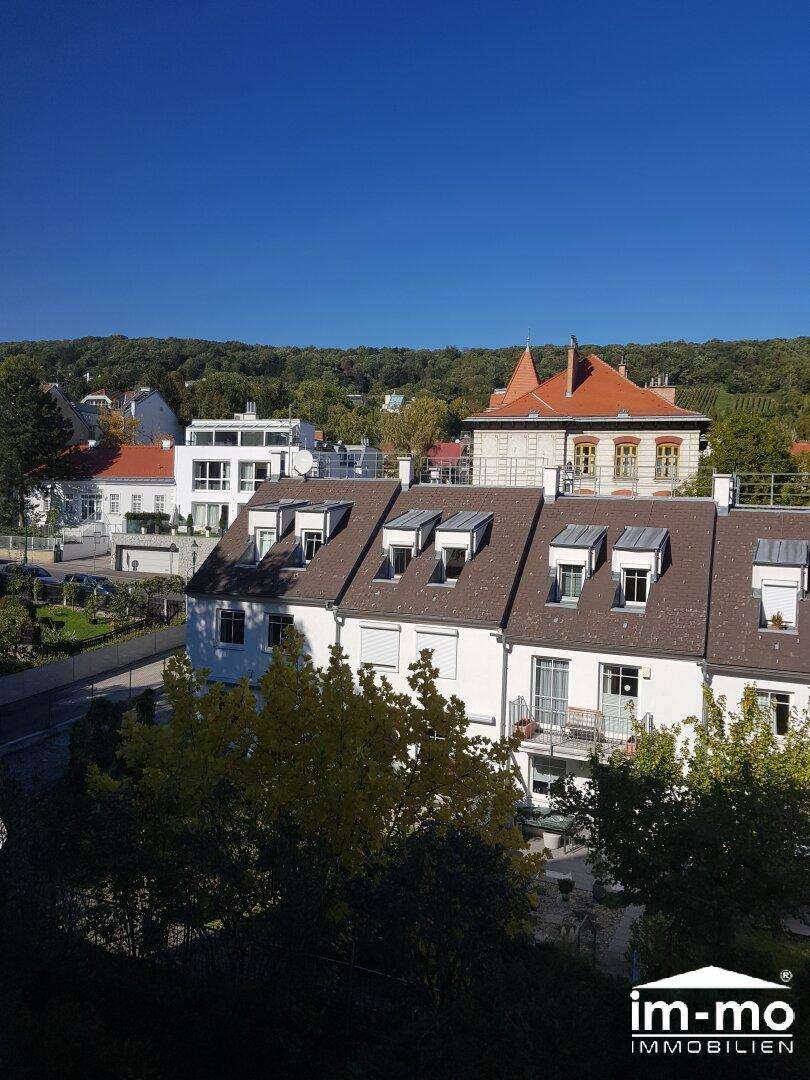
573 557
637 562
457 541
315 525
403 538
267 523
779 578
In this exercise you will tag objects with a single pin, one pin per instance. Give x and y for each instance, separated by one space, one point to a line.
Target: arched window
624 462
666 461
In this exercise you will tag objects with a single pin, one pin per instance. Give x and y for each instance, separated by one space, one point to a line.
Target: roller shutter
379 646
443 647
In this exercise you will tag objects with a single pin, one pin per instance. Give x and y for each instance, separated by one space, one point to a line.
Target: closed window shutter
779 599
380 647
443 647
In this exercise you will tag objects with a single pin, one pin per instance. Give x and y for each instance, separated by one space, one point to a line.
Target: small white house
155 417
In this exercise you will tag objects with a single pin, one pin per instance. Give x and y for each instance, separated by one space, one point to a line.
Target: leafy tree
417 426
239 802
745 443
708 830
117 429
130 601
33 435
71 594
16 625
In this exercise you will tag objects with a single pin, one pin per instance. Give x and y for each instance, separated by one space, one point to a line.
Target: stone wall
184 558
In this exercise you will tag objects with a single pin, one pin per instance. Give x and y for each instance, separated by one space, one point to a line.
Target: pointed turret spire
523 379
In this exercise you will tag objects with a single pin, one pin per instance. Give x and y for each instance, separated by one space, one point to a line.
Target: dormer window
453 560
570 581
780 577
400 560
572 558
265 538
311 543
635 585
637 563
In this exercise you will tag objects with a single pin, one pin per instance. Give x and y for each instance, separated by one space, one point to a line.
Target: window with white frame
379 646
443 649
208 515
778 704
136 504
550 691
276 625
453 560
231 627
160 504
115 503
400 560
635 585
211 476
252 474
265 538
570 581
619 699
311 543
90 507
545 770
779 605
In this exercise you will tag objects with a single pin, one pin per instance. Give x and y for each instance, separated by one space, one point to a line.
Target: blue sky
418 174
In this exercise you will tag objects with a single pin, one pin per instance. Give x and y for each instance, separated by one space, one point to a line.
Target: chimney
166 444
623 367
572 371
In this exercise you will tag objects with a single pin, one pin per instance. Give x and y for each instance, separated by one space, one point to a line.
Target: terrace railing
641 481
772 489
582 730
482 471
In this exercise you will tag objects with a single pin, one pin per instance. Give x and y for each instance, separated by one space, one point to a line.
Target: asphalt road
59 708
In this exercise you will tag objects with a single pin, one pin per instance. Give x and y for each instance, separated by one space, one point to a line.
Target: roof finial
529 338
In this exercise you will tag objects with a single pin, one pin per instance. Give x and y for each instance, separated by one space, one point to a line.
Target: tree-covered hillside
777 371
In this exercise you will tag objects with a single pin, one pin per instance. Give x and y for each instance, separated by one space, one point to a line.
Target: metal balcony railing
772 489
633 483
582 730
482 471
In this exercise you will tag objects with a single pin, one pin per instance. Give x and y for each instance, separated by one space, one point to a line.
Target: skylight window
570 581
400 560
453 560
311 543
573 557
638 561
780 578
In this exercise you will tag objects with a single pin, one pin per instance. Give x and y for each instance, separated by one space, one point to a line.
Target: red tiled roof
448 451
800 448
523 381
600 391
125 462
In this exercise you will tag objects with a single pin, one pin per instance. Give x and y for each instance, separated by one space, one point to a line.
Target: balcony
580 733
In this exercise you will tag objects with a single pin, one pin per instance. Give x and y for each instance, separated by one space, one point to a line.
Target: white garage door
148 560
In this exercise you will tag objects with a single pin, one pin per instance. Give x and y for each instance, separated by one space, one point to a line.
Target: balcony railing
632 483
772 489
581 731
482 471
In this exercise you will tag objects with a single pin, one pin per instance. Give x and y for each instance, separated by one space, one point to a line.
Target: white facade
795 695
224 461
156 418
101 504
228 662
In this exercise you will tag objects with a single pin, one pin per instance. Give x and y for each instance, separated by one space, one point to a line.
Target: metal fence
636 482
20 544
772 489
481 471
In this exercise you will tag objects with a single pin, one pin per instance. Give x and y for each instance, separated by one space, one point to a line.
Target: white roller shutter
779 599
444 648
380 646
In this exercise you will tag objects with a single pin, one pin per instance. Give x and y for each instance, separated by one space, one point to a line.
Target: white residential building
155 418
223 462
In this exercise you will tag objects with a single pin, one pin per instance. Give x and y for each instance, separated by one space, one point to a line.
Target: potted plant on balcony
777 621
525 728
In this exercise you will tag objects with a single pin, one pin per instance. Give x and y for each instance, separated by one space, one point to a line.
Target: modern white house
155 418
223 462
608 435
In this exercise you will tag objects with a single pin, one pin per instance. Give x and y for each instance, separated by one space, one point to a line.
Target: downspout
506 648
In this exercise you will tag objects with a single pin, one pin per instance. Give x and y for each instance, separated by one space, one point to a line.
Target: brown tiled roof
735 638
600 391
325 578
674 621
481 594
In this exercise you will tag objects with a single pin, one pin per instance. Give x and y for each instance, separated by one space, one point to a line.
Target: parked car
91 583
29 570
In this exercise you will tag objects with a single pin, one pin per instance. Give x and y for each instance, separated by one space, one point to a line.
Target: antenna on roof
529 338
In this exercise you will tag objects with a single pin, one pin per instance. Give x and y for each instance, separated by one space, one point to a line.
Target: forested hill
774 374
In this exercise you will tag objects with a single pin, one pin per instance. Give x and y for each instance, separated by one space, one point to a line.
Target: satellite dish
303 462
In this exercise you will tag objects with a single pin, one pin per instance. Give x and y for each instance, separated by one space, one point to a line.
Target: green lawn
73 625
